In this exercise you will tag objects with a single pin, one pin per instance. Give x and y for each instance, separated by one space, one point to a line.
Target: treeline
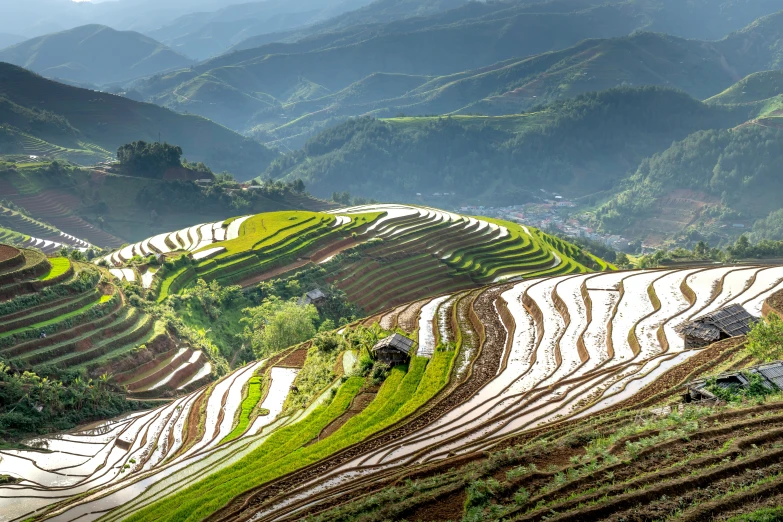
591 140
742 249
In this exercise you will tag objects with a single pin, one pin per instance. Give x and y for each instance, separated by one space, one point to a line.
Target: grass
165 287
281 453
60 265
401 394
260 230
255 388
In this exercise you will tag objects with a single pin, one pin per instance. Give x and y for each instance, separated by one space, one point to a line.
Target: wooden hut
313 297
727 322
395 349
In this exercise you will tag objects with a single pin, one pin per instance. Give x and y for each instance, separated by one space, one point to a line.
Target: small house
395 349
727 322
313 297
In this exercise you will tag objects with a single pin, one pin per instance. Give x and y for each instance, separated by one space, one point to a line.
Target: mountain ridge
89 54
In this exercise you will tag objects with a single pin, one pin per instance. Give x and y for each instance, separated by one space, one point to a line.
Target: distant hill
205 34
515 85
233 88
49 119
582 145
94 54
7 39
374 17
754 88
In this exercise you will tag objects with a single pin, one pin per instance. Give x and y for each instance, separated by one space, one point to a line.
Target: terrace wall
773 304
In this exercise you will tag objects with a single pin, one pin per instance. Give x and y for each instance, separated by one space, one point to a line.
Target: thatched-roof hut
727 322
395 349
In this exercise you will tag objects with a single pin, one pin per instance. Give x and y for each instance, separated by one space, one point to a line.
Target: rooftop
396 341
732 320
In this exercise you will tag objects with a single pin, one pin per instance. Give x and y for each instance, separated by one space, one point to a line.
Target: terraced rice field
66 314
404 252
57 209
528 355
26 232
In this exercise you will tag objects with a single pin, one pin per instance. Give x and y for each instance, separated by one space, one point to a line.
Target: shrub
756 389
765 340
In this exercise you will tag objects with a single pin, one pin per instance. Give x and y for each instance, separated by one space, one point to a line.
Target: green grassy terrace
402 393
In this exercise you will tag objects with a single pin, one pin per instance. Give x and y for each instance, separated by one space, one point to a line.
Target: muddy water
282 380
734 284
427 326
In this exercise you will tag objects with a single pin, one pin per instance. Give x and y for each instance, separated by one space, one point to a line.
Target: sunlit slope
507 358
379 255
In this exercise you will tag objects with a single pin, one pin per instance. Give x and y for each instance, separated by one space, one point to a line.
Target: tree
765 340
298 186
149 160
621 259
278 324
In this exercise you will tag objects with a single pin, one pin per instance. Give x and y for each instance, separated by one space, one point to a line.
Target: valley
372 260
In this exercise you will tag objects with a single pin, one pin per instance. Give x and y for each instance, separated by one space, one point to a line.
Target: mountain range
94 54
45 118
204 34
493 58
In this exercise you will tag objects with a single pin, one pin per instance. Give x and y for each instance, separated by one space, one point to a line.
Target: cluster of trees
33 403
224 194
149 160
346 199
602 133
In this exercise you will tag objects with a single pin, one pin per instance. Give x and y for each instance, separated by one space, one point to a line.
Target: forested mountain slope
710 179
516 85
45 118
94 54
587 144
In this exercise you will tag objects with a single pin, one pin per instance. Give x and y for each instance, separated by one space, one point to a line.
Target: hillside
492 58
108 209
45 118
513 86
712 179
584 145
553 393
757 87
94 54
230 89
